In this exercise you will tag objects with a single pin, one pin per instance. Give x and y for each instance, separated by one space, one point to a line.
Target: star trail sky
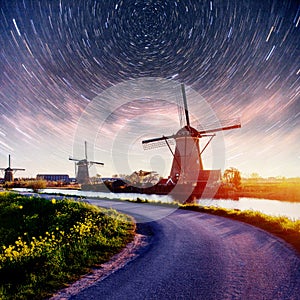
242 56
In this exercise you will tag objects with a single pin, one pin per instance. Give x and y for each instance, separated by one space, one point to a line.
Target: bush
44 243
36 185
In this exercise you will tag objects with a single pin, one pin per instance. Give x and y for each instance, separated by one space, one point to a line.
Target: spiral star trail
242 56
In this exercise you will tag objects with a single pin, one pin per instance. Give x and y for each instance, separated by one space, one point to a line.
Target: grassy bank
46 244
281 227
283 191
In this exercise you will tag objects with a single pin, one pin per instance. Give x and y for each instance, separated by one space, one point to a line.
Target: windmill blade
18 169
153 140
85 149
180 112
74 159
158 142
187 117
96 163
222 125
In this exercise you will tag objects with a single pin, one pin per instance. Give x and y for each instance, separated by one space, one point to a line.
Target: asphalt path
199 256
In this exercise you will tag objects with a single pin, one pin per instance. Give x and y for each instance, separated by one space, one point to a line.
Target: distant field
284 191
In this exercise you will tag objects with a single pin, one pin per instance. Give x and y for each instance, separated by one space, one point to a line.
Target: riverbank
282 227
283 191
279 226
288 190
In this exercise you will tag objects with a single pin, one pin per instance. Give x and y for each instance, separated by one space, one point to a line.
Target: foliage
9 184
35 185
255 176
143 178
233 177
47 243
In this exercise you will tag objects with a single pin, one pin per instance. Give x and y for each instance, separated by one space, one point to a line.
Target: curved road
199 256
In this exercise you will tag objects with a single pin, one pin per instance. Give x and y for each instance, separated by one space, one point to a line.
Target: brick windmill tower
9 172
82 173
187 166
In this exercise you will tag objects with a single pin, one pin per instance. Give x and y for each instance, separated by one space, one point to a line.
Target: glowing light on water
269 207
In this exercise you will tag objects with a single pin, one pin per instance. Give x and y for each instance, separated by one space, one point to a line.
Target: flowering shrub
52 241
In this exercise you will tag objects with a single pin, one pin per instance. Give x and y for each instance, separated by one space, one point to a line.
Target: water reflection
270 207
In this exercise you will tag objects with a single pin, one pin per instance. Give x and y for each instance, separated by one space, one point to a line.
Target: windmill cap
187 131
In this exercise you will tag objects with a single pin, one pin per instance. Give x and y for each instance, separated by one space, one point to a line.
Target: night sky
59 58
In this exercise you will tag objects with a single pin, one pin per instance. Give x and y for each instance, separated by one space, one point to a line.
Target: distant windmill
82 174
8 175
187 162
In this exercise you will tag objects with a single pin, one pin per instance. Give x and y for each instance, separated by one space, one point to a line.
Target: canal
270 207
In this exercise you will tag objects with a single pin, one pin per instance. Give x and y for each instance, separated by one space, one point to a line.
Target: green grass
283 191
46 244
282 227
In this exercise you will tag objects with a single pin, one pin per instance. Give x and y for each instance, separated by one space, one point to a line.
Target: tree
232 176
254 178
36 185
143 178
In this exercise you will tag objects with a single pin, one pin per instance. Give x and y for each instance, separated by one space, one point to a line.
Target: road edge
132 250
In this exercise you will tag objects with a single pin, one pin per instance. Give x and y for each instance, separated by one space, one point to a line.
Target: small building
54 177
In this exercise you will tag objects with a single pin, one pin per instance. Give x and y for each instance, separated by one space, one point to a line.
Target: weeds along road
200 256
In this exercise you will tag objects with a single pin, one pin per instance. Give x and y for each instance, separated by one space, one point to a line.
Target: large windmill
9 172
187 166
82 172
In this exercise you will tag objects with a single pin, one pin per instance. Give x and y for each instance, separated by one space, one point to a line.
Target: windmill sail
221 126
8 175
158 142
186 111
82 174
187 167
180 113
96 163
